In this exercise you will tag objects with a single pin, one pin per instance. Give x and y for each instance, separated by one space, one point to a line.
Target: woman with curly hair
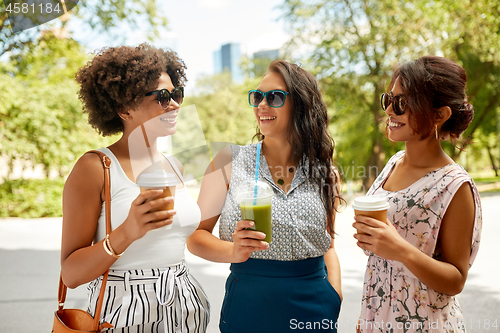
419 259
121 89
294 281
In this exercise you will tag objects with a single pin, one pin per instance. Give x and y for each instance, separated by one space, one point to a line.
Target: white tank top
160 247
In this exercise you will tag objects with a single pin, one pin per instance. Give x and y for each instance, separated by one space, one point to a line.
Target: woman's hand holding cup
374 231
145 216
246 241
374 206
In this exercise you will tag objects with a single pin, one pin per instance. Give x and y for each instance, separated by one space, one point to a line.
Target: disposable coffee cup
374 206
255 200
159 180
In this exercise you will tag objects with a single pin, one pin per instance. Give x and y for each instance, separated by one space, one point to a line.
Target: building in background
228 59
267 54
262 59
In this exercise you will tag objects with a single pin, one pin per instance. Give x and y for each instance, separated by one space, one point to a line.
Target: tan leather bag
76 320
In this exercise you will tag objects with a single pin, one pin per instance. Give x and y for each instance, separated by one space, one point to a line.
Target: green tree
483 77
223 108
52 60
255 68
41 123
101 16
225 117
352 45
41 119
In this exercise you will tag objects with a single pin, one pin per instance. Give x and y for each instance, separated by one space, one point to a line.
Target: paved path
29 264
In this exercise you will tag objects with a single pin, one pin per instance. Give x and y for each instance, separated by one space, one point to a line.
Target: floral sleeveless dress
394 300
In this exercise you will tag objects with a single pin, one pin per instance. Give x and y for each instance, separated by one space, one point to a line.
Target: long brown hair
308 133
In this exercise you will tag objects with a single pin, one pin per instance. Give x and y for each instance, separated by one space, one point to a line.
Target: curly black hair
117 78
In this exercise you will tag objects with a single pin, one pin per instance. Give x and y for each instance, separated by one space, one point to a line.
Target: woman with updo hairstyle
149 288
419 259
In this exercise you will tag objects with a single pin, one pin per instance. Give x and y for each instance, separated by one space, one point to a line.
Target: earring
436 128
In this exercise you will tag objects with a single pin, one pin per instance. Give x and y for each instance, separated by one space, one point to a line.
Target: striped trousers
163 300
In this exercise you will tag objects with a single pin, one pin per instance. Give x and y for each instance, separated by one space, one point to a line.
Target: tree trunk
377 156
375 162
491 106
492 160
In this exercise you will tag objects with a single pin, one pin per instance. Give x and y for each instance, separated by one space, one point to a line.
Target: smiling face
158 121
398 127
273 122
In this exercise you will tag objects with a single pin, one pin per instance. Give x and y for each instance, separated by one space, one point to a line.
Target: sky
197 28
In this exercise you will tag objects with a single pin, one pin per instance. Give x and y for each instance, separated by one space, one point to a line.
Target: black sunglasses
275 98
164 96
398 103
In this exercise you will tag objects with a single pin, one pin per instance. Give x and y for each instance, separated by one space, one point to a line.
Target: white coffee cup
374 206
159 180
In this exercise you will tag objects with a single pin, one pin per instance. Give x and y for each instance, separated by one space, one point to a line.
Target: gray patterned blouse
298 217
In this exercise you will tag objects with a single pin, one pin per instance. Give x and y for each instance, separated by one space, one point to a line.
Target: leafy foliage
225 118
101 16
255 68
352 46
223 108
51 61
483 79
41 120
31 198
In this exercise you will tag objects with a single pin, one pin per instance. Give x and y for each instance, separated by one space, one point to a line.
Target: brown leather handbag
76 320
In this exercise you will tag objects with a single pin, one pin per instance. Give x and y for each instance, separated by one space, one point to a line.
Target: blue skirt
279 296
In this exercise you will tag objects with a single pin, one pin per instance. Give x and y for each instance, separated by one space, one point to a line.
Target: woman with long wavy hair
294 281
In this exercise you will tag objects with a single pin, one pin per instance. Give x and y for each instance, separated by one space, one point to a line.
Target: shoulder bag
76 320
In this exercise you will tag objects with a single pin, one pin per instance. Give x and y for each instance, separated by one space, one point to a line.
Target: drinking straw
211 158
257 165
147 144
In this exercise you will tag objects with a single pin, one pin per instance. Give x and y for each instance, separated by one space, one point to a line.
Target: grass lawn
484 177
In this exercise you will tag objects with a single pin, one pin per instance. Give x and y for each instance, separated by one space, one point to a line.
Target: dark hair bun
459 120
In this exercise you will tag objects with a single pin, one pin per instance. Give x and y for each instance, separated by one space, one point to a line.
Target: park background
351 46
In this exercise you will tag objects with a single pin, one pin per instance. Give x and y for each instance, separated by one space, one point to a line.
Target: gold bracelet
106 248
109 249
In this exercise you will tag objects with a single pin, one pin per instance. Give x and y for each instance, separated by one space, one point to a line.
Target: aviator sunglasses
275 98
398 103
164 96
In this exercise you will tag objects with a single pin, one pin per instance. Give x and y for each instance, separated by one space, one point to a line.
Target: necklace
281 181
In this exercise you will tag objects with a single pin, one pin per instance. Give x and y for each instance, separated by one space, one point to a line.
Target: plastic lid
246 190
370 203
158 178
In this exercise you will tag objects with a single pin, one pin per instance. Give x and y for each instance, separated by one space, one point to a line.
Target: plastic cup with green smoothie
255 200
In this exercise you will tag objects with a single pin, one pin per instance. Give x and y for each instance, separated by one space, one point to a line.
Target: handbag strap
106 161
